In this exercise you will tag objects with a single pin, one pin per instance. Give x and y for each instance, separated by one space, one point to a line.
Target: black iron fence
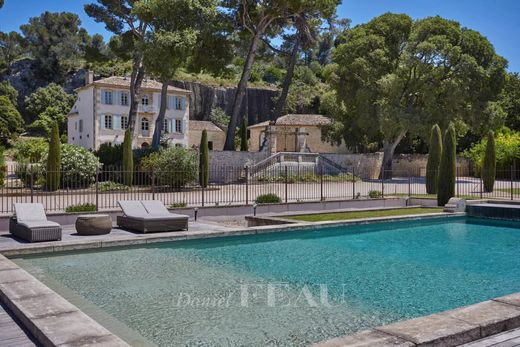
232 186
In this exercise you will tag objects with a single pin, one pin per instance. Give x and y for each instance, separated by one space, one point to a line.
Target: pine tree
489 164
434 159
54 160
128 159
447 168
243 137
204 159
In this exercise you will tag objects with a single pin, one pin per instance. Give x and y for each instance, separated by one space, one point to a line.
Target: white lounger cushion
39 224
30 212
132 208
157 208
152 217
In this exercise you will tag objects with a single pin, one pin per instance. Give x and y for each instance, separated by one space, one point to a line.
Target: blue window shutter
183 103
116 119
170 126
102 121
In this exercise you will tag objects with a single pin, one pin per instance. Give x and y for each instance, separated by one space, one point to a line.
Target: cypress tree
54 160
243 137
128 159
434 159
489 163
447 167
204 160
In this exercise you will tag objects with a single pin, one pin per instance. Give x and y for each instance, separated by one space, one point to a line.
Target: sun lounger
30 223
150 216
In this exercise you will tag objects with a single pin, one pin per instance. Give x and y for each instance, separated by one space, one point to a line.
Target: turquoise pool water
294 288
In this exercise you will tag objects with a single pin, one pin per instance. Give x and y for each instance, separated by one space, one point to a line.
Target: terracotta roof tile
200 125
125 82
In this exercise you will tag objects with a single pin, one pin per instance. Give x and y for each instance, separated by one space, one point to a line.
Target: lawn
433 196
322 217
516 191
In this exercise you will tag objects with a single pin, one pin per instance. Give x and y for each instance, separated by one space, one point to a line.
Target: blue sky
498 20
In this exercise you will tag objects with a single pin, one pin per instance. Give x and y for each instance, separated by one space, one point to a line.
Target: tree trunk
280 103
388 155
159 122
136 80
241 91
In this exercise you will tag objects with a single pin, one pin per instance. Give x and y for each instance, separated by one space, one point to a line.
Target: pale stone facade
216 136
292 133
100 114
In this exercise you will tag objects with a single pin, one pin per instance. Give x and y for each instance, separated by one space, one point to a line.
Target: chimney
89 77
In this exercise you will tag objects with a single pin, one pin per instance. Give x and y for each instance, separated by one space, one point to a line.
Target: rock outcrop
257 104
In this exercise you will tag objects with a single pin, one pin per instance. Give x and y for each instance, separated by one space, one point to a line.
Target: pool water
292 288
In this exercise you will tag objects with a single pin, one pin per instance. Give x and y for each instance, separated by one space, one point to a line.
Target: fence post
512 193
247 185
353 183
481 187
97 189
202 194
409 185
383 185
456 180
152 176
286 183
321 181
32 186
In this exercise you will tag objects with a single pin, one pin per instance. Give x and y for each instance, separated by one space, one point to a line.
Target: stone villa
100 114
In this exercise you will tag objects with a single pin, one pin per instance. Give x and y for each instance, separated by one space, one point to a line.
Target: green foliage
128 159
243 136
110 155
307 178
11 122
109 186
434 159
204 159
219 117
510 101
10 48
173 166
81 208
50 103
375 194
507 147
447 167
489 167
3 167
53 166
31 150
56 43
178 205
44 123
6 89
268 199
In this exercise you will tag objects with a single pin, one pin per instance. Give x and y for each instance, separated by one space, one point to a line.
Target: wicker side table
93 224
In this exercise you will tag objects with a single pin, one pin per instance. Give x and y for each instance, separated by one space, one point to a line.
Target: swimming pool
289 288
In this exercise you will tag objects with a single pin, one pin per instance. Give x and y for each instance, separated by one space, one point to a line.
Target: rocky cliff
257 104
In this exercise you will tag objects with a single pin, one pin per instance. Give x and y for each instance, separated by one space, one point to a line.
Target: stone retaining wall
416 164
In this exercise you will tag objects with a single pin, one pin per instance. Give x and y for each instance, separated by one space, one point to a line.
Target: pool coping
45 313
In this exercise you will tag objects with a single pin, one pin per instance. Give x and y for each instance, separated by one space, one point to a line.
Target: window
178 103
124 122
107 97
81 125
166 124
178 145
178 126
107 123
170 104
144 124
145 100
124 99
210 145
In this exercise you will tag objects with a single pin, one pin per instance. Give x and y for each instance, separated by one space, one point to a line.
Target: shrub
204 160
110 155
128 159
243 136
31 150
375 194
447 167
434 159
54 160
489 165
268 199
109 186
81 208
178 205
174 166
24 170
78 166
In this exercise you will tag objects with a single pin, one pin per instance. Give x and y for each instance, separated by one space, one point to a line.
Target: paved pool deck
54 321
